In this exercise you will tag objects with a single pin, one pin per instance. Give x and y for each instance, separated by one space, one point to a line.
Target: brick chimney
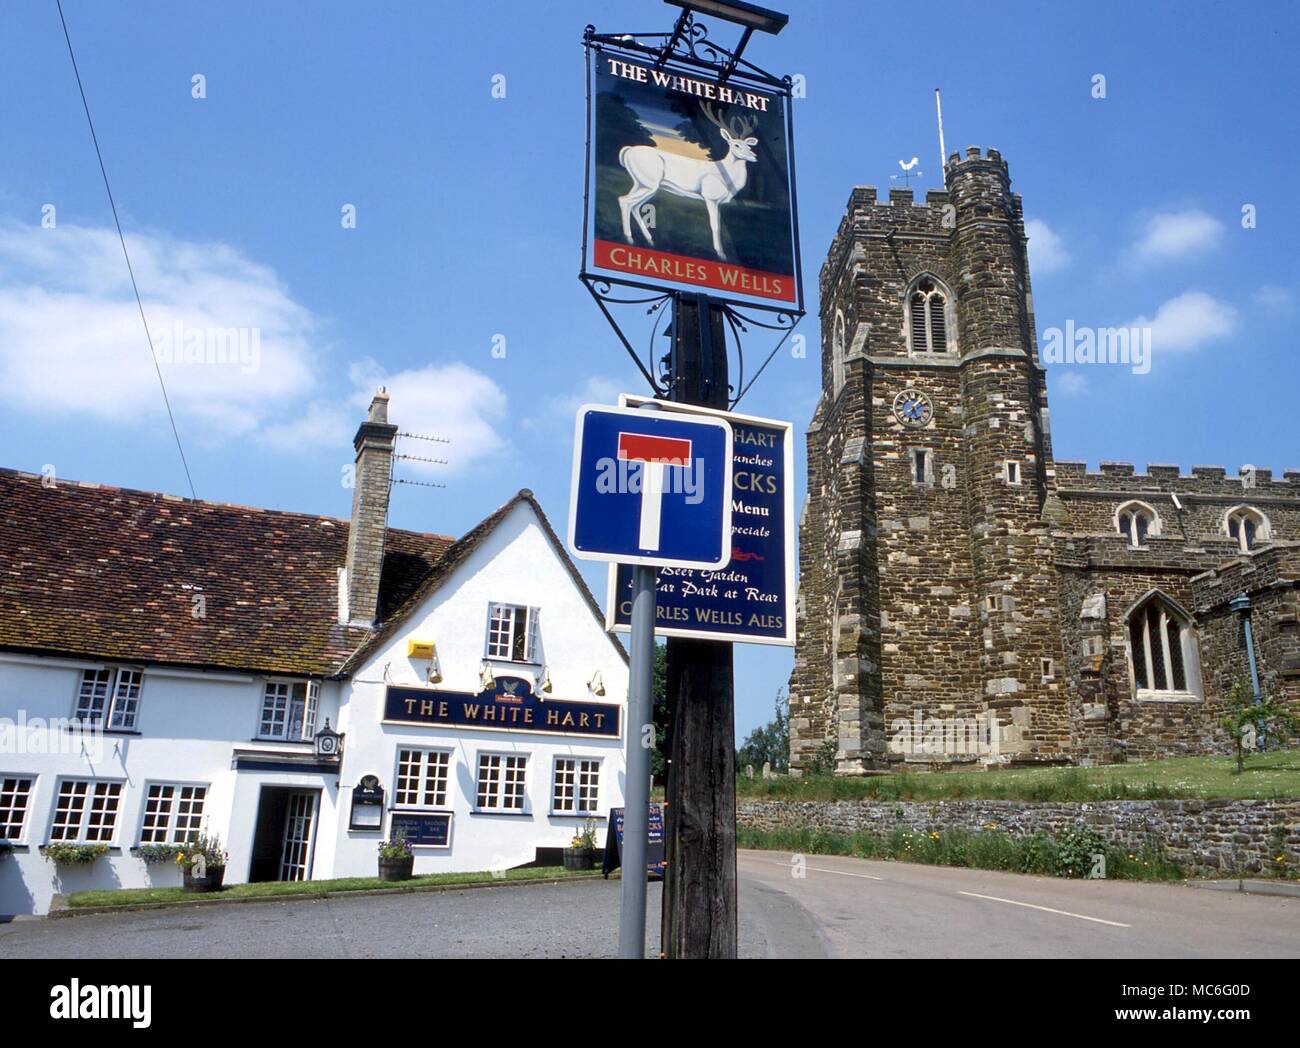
374 473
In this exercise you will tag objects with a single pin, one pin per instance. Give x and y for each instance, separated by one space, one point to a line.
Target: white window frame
422 769
1263 530
583 766
113 698
498 640
282 713
95 789
1187 649
1128 512
194 816
15 830
497 794
1009 467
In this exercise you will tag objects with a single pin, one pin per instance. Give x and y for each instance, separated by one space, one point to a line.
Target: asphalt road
891 909
838 908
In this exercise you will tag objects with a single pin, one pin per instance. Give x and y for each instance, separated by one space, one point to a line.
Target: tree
769 744
1245 718
617 125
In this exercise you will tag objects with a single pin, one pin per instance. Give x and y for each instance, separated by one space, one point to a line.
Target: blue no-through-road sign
651 488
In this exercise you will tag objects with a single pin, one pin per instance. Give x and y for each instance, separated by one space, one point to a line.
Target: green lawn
145 896
1267 776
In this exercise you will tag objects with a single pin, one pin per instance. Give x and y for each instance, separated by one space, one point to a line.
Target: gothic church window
1135 521
1162 648
928 317
1247 527
837 353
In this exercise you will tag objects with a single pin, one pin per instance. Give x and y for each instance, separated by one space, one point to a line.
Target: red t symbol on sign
654 453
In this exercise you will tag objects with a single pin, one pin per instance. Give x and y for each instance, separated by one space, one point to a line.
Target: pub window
1135 521
110 697
15 797
512 633
501 781
1162 648
86 810
173 813
422 778
289 710
928 317
576 789
1247 527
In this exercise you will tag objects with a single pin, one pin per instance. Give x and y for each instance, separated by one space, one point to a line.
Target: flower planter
579 858
209 882
396 869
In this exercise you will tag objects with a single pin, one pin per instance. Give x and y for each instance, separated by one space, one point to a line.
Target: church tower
929 597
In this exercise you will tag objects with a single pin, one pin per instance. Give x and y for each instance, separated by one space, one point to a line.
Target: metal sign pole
636 809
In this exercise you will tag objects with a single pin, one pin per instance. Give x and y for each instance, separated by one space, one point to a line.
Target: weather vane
908 174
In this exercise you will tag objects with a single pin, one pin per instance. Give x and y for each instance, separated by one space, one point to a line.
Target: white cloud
452 401
1070 383
1176 235
71 343
71 339
595 389
1047 251
1275 299
1188 321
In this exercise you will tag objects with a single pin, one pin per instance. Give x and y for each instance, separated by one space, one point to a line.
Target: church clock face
913 408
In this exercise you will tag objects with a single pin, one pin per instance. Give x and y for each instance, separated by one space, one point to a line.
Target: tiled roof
109 573
455 555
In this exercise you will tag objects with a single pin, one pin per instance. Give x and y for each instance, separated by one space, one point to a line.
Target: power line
134 287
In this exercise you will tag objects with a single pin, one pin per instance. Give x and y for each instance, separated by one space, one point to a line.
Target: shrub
68 853
201 846
155 853
395 848
1075 850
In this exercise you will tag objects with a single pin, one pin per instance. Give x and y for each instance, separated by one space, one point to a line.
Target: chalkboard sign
654 852
420 830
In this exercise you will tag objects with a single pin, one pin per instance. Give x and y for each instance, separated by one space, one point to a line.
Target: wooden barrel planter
396 869
209 882
579 858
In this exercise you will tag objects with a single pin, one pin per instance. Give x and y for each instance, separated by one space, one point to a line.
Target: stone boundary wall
1200 836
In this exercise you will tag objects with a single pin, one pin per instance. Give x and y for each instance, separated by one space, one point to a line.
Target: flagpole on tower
938 108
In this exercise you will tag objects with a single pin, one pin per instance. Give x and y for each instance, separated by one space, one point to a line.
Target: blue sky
468 212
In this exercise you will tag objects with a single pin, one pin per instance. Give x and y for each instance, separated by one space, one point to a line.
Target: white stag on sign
716 182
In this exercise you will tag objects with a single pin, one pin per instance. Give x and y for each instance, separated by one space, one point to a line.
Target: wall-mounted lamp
544 682
486 679
426 649
596 685
328 743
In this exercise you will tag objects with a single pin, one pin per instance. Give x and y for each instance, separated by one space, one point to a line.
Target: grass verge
1268 776
289 889
1070 854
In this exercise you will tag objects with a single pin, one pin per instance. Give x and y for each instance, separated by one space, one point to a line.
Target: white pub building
299 685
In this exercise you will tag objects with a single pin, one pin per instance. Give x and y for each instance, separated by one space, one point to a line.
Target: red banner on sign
682 269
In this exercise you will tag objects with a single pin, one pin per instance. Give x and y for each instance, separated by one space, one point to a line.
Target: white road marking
822 869
1046 909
